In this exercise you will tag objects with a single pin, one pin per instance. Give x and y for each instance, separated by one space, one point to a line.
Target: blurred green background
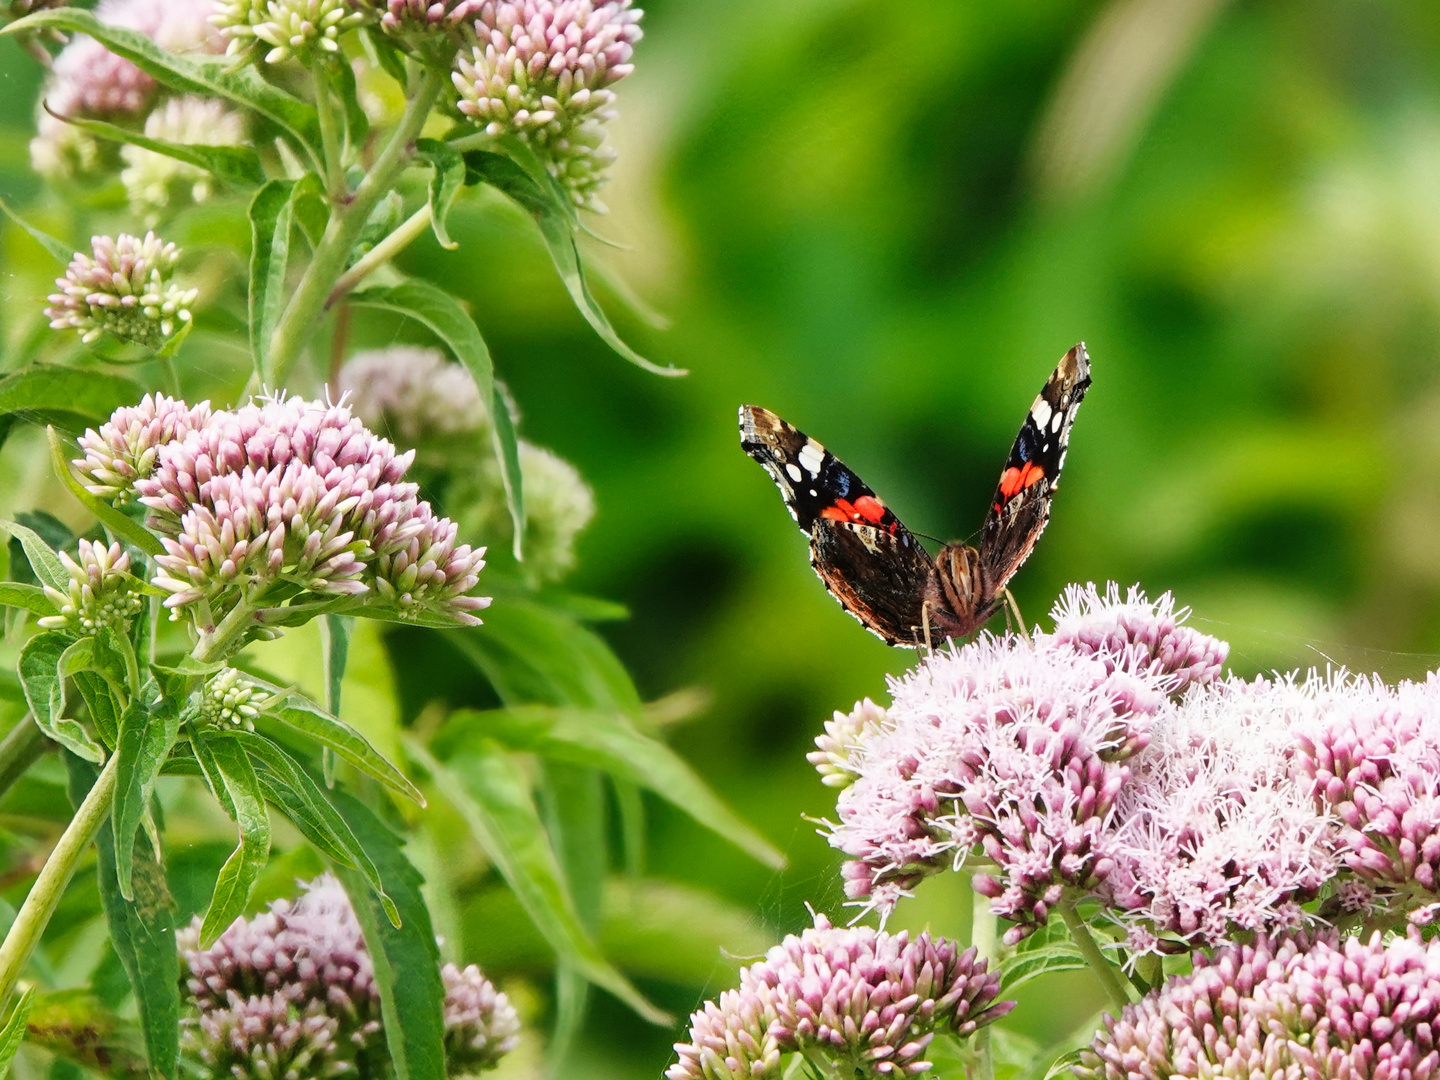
887 224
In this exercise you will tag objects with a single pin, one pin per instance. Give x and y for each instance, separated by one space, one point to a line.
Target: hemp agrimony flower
1298 1007
541 70
558 506
282 491
843 736
413 394
123 287
303 29
101 592
231 700
154 180
291 992
860 999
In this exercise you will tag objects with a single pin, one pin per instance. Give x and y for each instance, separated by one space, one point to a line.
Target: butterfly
874 566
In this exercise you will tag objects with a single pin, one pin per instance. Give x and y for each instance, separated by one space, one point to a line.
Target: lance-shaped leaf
271 215
532 653
442 315
144 742
142 933
407 960
13 1033
491 793
557 228
32 598
316 724
51 390
605 739
126 528
43 560
236 165
39 669
445 184
294 792
185 74
232 778
61 250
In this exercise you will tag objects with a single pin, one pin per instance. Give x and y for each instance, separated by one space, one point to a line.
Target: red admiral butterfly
872 563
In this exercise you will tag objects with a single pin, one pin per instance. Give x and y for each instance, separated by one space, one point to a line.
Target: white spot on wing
793 471
1041 412
1056 421
812 456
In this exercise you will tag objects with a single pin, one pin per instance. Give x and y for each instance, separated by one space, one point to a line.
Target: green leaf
30 597
271 214
43 560
442 315
530 653
187 75
292 790
1048 949
13 1033
49 389
556 220
144 743
445 184
62 251
227 768
39 669
607 740
236 165
142 933
407 960
126 528
315 723
507 453
491 793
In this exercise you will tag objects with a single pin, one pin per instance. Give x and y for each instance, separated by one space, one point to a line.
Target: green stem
45 894
217 642
410 230
1104 970
21 748
330 138
346 223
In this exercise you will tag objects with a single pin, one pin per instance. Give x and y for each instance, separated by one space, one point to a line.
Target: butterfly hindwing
882 578
1021 506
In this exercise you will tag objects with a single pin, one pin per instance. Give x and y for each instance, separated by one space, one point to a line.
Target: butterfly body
874 566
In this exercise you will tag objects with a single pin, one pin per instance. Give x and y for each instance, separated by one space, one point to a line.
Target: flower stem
217 642
404 235
330 125
20 749
45 894
346 223
1104 970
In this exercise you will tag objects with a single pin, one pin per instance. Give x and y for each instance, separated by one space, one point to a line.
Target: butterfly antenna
1012 607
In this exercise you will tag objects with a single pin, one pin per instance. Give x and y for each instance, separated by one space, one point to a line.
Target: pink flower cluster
1294 1007
1107 761
291 992
281 490
862 999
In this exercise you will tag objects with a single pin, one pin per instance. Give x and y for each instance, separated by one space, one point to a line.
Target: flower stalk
1105 971
346 223
405 234
44 896
21 748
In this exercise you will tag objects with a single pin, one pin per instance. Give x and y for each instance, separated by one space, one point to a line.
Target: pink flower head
866 1000
1215 829
1018 748
87 80
286 490
1294 1007
481 1026
126 447
1137 635
541 69
1372 753
123 287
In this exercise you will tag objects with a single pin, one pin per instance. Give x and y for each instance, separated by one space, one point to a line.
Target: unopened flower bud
124 288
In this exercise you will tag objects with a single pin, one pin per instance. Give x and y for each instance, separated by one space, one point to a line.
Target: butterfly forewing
1021 506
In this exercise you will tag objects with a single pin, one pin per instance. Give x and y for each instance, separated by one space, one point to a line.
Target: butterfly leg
925 621
1013 608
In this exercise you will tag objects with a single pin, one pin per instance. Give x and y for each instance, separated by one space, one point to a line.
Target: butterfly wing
1021 506
864 555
